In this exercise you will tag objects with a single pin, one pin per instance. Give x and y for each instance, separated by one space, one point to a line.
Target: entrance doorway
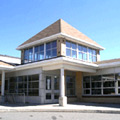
52 89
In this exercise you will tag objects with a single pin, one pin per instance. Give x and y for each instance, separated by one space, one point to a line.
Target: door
52 89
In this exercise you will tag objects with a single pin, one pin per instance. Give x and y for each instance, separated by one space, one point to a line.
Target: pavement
75 107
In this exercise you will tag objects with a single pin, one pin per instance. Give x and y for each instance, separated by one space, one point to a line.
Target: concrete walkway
76 107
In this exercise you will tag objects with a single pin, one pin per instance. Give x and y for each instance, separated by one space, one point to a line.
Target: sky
98 19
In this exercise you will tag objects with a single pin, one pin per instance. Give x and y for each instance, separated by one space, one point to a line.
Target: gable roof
60 26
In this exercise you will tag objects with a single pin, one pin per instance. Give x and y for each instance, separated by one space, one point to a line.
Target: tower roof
60 26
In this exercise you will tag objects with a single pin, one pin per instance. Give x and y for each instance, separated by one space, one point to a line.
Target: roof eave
59 35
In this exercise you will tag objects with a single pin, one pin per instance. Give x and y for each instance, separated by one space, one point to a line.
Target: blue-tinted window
80 55
68 44
54 44
39 52
68 52
74 46
48 54
54 52
36 49
90 58
42 47
90 51
41 55
48 46
74 54
28 55
94 59
84 56
84 49
79 47
94 52
51 49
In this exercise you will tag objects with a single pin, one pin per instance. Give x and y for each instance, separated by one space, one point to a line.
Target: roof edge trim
55 36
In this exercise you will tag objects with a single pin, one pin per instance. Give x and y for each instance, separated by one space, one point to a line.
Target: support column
41 87
3 85
62 98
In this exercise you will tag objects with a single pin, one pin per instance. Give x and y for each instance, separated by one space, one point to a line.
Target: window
71 49
100 85
33 85
39 52
96 84
22 84
48 96
13 85
70 83
86 85
56 83
28 55
84 50
51 49
108 84
48 82
92 55
80 52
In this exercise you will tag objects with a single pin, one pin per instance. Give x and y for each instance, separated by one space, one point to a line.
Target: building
61 64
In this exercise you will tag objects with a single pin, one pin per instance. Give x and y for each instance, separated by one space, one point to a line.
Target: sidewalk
76 107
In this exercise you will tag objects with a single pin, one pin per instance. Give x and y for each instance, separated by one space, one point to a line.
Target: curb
61 110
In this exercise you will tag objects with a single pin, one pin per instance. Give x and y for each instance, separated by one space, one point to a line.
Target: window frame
115 87
84 51
71 88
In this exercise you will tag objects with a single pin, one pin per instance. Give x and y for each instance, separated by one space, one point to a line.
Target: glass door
52 89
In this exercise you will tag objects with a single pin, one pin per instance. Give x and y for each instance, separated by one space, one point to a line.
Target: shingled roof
60 26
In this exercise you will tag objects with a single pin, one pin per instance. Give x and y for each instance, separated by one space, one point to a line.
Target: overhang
61 62
53 37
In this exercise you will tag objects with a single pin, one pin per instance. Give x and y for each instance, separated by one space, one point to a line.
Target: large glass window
39 52
51 49
80 52
101 84
70 83
24 84
28 55
33 85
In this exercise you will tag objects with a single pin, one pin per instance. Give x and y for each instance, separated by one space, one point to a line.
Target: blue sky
98 19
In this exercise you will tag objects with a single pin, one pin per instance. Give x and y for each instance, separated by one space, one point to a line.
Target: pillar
62 98
3 85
